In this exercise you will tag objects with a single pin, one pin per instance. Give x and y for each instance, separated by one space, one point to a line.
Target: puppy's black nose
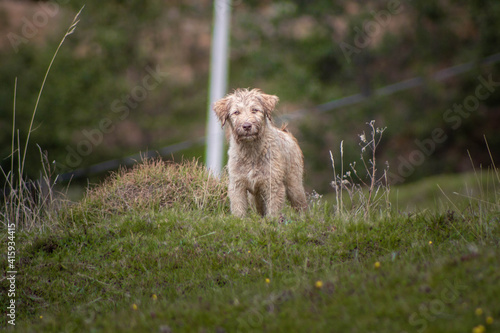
246 126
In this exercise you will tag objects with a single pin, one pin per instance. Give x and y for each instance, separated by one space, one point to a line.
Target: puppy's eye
255 110
236 112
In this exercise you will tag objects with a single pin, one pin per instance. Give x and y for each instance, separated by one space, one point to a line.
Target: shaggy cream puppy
264 161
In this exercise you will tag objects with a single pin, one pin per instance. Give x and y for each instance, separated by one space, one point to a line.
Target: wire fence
439 76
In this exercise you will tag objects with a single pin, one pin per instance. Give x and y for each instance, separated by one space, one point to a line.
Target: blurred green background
134 77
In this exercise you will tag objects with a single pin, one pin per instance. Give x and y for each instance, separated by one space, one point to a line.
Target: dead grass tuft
155 184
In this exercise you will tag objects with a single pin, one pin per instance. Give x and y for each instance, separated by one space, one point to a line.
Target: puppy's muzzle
247 127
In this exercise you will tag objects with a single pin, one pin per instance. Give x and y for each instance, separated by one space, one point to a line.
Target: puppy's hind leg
296 194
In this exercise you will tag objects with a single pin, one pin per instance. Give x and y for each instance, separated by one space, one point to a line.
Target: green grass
432 192
184 266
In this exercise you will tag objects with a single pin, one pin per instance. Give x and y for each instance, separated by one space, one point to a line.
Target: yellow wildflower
319 284
478 329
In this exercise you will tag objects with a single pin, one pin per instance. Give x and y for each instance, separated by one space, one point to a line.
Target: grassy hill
155 249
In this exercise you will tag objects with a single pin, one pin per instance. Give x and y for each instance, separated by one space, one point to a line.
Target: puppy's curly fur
265 162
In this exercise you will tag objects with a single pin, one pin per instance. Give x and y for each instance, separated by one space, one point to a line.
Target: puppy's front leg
274 199
238 198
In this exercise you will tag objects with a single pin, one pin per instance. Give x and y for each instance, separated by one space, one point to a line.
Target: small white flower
362 137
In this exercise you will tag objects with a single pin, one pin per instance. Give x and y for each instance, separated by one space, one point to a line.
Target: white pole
218 83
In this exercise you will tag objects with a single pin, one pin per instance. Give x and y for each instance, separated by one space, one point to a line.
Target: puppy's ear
268 103
221 109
